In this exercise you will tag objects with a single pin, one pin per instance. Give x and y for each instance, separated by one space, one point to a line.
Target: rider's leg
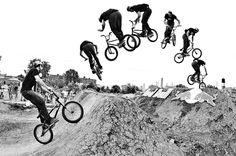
144 21
39 102
96 58
115 22
88 48
186 45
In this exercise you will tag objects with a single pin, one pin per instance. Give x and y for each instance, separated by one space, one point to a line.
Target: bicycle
191 80
135 33
196 53
72 112
172 38
97 69
111 53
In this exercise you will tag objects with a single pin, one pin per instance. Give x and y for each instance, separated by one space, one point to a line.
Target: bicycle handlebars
107 36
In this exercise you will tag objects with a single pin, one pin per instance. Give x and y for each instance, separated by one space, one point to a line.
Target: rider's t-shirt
29 80
200 62
140 7
84 43
170 18
105 15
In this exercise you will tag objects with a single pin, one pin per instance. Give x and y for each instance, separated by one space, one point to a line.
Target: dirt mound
197 128
111 126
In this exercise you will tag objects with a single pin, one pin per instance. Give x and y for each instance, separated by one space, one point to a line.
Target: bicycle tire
128 42
202 85
189 80
174 39
163 44
154 37
38 130
196 53
111 51
137 39
70 108
178 58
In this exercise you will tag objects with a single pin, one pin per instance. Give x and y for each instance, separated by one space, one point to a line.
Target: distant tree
45 67
181 86
21 77
115 89
92 86
71 76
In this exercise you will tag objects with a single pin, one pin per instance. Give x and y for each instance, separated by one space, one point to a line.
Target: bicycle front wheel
163 44
72 112
179 58
42 135
130 43
202 85
189 80
174 39
154 36
197 53
111 53
137 39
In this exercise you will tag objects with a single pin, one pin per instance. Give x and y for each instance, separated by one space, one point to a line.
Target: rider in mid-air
186 42
169 21
29 82
146 14
115 22
196 64
89 49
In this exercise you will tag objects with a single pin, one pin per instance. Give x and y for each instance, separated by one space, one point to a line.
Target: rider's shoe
192 79
150 34
51 121
185 54
142 34
121 43
93 71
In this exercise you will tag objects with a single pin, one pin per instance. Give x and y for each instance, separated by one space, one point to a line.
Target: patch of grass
8 126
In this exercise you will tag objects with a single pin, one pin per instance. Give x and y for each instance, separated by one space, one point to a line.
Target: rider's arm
96 48
81 54
103 26
178 20
205 69
42 84
138 18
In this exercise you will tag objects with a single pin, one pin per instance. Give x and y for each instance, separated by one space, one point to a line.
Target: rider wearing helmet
169 21
186 42
31 78
146 14
89 49
115 21
196 64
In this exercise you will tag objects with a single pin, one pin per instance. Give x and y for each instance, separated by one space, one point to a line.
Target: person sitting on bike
35 98
115 22
146 14
89 49
169 21
196 64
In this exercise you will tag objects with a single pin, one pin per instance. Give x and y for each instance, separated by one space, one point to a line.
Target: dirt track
113 125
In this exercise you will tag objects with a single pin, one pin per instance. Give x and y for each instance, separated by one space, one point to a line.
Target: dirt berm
114 125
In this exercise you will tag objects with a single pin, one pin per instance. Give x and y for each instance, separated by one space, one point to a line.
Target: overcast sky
52 30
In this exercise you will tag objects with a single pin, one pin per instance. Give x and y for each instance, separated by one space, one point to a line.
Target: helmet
196 29
37 63
169 12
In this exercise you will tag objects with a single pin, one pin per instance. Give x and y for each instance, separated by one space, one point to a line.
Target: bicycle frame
108 41
133 30
173 30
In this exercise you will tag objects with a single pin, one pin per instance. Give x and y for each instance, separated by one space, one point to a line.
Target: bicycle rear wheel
163 44
179 58
43 136
137 39
72 112
196 53
130 43
111 53
189 80
154 37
